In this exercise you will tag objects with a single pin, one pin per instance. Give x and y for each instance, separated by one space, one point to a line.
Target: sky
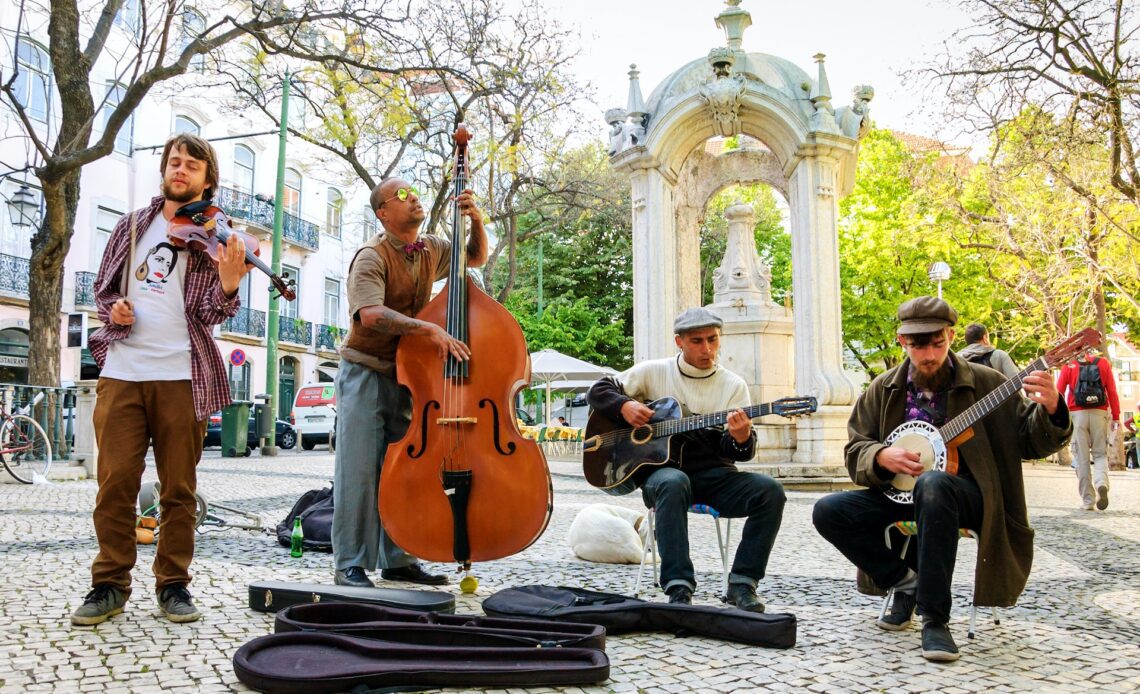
865 42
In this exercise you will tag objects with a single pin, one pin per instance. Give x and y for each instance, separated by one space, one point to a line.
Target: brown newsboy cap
925 314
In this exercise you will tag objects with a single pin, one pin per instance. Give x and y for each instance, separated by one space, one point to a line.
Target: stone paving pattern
1077 627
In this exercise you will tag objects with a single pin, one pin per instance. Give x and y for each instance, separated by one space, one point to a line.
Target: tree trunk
45 286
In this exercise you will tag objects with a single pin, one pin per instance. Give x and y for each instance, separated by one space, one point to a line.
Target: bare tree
162 48
1075 59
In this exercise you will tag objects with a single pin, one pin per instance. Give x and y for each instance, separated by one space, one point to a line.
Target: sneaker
743 596
353 576
902 609
175 602
414 573
680 595
1087 507
937 643
1102 497
103 602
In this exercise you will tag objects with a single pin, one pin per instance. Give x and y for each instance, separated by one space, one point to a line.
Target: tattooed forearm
385 320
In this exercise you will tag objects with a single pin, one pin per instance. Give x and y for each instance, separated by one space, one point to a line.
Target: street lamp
23 208
939 272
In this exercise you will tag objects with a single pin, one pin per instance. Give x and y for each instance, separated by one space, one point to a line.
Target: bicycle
24 447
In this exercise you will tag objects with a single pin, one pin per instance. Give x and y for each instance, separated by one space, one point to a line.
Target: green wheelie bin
235 429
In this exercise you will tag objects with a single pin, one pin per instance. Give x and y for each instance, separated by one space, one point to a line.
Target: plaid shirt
206 306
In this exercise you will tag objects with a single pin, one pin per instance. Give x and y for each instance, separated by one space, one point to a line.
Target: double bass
463 484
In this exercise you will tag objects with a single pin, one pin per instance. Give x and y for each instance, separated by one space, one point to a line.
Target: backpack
1089 391
315 507
983 359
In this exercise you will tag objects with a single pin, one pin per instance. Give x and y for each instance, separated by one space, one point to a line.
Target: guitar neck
704 421
950 430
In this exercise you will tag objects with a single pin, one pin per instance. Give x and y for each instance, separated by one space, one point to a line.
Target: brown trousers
129 416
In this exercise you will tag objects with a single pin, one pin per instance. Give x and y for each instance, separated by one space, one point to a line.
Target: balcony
247 321
249 208
295 330
14 275
329 337
85 289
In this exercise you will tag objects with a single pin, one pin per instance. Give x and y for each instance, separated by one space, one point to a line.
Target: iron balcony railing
242 205
14 274
85 289
295 330
328 336
247 321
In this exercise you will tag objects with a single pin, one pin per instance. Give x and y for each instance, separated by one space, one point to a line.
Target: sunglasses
402 194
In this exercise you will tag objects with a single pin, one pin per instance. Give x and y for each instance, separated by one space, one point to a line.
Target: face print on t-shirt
157 268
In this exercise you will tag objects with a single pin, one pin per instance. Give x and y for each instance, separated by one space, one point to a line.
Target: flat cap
696 318
925 314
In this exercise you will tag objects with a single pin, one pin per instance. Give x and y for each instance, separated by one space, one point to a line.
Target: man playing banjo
986 495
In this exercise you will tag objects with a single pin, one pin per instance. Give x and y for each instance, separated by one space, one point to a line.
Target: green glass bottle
298 539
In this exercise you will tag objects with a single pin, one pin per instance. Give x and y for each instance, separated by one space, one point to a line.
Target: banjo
938 446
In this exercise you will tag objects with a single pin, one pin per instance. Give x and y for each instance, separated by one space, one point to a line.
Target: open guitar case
340 646
621 614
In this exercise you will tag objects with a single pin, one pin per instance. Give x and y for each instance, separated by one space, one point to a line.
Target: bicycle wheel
24 448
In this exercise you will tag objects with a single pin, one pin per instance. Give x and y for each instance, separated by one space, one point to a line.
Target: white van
314 413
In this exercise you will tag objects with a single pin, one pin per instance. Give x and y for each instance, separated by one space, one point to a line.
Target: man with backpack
1090 392
979 350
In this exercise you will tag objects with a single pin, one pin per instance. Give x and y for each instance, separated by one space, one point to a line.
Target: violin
202 226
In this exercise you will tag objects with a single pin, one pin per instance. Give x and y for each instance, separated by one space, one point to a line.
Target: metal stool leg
722 545
649 549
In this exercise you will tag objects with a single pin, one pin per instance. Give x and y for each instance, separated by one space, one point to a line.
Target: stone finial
823 120
734 21
635 128
636 105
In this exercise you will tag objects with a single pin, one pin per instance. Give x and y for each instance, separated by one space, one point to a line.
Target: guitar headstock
794 407
1073 347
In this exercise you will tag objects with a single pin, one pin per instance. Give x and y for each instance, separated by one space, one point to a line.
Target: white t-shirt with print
158 346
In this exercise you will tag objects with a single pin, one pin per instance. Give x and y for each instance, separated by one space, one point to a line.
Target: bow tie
412 248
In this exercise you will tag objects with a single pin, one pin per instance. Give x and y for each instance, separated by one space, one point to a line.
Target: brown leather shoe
413 573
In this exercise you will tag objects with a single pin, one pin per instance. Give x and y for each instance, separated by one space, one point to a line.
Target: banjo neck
954 428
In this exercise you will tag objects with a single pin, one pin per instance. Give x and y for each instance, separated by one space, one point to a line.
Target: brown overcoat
1016 430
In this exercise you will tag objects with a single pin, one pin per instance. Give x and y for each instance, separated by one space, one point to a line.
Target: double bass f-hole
495 417
412 452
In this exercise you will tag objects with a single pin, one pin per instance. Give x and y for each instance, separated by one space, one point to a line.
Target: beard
189 194
935 382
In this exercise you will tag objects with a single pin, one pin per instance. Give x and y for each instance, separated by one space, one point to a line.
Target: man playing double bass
987 495
389 281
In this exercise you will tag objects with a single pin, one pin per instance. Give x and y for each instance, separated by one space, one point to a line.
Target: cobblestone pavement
1076 628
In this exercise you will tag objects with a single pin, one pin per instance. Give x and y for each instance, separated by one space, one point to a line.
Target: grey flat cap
695 318
925 314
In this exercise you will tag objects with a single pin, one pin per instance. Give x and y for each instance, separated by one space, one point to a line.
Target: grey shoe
743 596
353 576
937 643
1102 497
175 602
902 609
680 595
103 602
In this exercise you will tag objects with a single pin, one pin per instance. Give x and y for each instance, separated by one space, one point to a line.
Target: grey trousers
372 410
1090 434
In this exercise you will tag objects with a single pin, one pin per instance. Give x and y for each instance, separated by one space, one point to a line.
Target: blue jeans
735 494
372 411
854 522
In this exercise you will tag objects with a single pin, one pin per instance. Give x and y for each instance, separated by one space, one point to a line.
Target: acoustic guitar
938 446
613 451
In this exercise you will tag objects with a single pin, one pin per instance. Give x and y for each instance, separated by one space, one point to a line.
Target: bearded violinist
389 281
158 318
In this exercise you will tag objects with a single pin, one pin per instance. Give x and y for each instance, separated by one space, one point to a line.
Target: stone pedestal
86 449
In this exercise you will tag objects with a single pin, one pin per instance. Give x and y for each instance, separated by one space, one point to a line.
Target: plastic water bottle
298 539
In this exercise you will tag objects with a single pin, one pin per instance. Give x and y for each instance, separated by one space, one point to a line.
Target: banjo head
916 437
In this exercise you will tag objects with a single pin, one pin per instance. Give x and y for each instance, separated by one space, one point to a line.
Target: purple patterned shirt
206 306
931 410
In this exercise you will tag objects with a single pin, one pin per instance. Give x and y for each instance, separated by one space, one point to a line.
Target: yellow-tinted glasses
402 194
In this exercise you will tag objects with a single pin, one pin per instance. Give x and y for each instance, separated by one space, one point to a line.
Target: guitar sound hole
641 434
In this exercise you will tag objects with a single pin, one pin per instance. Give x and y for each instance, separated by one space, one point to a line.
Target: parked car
286 435
314 413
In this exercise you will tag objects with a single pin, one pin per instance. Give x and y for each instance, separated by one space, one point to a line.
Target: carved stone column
655 276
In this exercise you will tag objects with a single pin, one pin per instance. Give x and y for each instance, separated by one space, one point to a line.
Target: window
105 221
333 207
239 381
185 124
124 139
193 24
244 160
128 16
332 302
33 80
289 308
292 201
245 291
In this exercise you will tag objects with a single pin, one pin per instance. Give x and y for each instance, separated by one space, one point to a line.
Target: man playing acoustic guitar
987 495
701 465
